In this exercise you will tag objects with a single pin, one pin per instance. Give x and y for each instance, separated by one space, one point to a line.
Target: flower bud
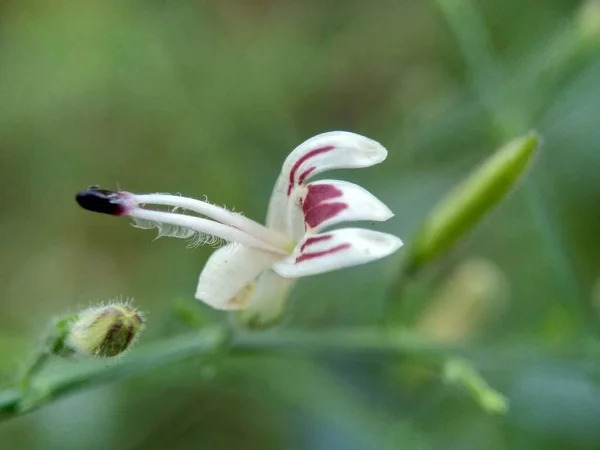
105 331
465 205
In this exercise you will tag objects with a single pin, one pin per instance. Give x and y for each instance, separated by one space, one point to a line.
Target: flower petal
226 280
332 150
329 202
335 250
266 300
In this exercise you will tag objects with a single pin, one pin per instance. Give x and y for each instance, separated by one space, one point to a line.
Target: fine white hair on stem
182 210
185 227
196 238
222 215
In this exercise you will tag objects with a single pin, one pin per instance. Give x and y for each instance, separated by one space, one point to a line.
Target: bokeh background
207 97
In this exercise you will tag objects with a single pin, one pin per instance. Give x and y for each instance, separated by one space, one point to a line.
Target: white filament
196 238
199 229
219 214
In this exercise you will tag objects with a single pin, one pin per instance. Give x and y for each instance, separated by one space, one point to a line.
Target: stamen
235 227
106 202
219 214
202 227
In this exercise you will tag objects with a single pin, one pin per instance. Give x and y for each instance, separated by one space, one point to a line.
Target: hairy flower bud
105 331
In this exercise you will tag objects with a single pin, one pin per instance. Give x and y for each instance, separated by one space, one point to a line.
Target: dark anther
100 200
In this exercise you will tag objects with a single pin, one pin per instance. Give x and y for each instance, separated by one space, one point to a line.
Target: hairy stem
206 343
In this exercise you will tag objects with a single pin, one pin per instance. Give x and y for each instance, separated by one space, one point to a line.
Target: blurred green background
208 97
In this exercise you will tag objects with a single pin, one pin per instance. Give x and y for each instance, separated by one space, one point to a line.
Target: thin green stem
206 343
556 247
34 368
349 341
485 72
41 392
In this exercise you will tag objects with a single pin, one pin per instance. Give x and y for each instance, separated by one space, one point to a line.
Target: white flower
256 269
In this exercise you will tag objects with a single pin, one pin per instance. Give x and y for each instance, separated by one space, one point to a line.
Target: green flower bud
465 205
105 331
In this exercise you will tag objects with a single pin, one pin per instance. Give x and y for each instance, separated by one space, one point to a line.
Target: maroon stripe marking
315 208
307 256
305 174
306 157
321 213
314 240
317 194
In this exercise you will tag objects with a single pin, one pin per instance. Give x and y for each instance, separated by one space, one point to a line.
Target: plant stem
347 341
38 393
206 343
210 342
34 369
